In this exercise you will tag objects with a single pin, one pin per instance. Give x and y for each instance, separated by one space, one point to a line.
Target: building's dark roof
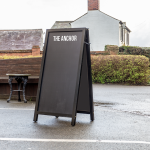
62 24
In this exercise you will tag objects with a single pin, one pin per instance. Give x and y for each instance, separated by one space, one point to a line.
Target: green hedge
134 50
120 69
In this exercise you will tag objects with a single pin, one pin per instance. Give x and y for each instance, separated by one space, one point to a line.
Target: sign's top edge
66 29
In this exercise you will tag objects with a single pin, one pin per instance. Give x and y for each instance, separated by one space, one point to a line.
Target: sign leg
73 122
35 117
92 116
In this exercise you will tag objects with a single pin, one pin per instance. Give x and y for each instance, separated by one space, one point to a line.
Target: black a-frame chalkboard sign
65 83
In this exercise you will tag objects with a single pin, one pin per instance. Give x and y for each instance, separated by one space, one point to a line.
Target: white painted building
104 29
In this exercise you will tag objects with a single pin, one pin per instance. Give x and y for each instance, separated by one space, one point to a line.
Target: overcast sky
36 14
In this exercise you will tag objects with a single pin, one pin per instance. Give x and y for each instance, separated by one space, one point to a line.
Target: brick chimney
93 5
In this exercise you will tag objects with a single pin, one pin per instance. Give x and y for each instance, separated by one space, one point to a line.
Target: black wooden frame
73 115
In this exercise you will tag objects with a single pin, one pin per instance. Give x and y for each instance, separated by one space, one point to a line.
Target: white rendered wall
104 30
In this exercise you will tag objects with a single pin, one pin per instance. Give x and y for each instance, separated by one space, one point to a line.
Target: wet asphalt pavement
122 113
131 99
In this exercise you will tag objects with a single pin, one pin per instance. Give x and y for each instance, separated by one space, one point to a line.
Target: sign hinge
87 43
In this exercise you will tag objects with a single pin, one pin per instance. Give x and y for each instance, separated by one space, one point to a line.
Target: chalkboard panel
64 79
58 84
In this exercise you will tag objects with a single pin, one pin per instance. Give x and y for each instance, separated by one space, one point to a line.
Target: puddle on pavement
125 108
142 113
104 104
